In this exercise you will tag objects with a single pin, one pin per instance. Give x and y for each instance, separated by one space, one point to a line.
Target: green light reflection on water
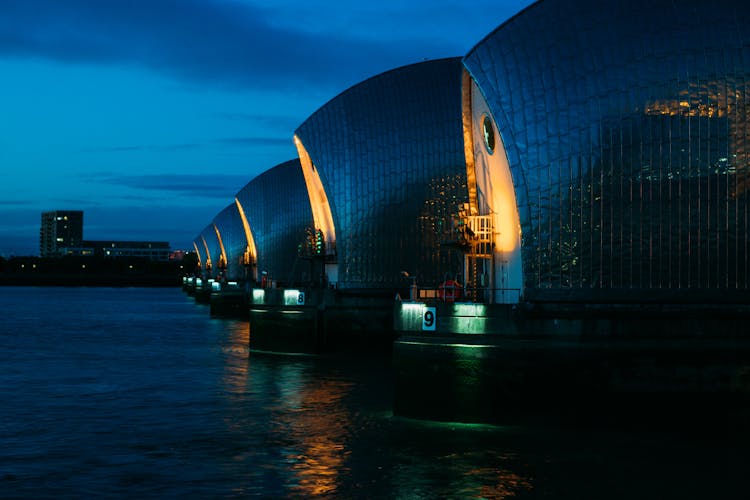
451 425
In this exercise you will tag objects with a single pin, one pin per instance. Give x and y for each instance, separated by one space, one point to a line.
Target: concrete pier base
202 294
313 321
598 367
229 303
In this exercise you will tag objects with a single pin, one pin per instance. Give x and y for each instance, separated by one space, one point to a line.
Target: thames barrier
556 221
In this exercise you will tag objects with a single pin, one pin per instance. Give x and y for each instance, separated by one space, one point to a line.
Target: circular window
489 133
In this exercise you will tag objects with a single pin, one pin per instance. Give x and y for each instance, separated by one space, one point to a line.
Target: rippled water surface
139 393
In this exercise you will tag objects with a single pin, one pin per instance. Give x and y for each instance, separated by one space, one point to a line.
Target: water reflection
447 461
314 424
235 349
488 482
178 409
323 427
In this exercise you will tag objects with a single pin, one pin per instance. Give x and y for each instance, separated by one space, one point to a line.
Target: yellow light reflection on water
236 347
314 421
494 483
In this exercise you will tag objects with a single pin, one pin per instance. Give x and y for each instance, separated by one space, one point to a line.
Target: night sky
150 115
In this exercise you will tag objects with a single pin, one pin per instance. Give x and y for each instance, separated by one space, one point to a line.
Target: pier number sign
429 319
301 298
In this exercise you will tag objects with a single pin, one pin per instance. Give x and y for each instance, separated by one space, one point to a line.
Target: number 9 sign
429 319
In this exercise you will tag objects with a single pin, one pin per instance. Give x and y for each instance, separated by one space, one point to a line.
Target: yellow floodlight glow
471 179
319 205
208 253
251 251
223 258
493 181
195 245
493 191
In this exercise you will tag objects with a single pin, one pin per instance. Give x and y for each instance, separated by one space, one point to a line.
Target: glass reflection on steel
385 160
276 208
626 130
232 243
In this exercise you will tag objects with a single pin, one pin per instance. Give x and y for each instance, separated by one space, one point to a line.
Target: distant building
61 233
60 229
177 255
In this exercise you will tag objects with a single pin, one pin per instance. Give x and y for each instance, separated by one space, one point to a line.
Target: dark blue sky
150 114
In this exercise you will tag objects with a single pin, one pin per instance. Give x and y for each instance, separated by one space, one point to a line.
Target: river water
138 393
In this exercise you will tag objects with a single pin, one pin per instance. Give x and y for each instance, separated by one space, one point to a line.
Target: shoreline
100 280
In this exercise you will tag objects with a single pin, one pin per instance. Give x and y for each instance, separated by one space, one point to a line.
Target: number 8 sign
429 319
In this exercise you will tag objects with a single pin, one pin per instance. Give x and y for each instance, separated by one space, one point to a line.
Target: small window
489 133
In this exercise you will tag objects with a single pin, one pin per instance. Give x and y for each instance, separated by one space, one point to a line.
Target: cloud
171 148
220 42
256 141
150 148
72 203
168 222
283 123
15 203
212 186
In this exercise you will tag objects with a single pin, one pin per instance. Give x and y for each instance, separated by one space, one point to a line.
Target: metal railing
468 294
